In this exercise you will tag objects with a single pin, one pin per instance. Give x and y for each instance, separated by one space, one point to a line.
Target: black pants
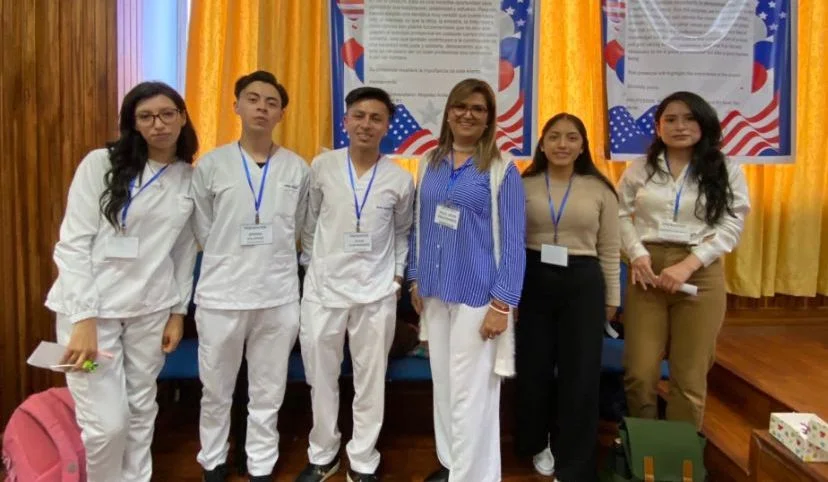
560 325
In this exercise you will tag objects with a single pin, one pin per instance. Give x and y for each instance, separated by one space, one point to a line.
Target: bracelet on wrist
499 304
498 310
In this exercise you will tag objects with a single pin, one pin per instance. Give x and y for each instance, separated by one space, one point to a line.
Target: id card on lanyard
555 254
256 234
674 231
446 214
358 242
122 246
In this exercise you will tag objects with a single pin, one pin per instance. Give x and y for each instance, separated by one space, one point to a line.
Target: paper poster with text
417 50
737 54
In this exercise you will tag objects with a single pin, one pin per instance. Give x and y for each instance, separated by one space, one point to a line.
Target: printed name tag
256 234
554 255
673 232
357 242
447 217
122 247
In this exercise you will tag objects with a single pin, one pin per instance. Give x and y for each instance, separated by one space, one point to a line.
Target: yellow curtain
782 246
223 45
294 45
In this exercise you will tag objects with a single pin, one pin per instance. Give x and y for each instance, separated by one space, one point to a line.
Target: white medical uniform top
237 277
91 284
340 279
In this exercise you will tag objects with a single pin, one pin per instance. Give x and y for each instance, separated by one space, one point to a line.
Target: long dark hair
707 163
583 163
129 153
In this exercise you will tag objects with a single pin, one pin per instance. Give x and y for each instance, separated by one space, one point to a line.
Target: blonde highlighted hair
486 150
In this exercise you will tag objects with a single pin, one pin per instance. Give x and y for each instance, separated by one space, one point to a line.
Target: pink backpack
42 441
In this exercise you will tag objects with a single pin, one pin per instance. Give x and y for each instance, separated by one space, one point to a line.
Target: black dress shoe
440 475
216 475
354 476
319 473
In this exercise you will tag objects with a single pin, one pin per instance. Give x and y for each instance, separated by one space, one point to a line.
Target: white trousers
115 405
322 337
269 335
466 391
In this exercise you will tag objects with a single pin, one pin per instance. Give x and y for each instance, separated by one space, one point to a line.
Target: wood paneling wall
777 310
58 85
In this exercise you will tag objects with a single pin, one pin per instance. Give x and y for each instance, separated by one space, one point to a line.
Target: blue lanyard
359 207
681 186
130 197
455 173
257 200
556 218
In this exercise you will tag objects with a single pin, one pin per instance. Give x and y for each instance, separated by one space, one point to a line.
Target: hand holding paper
49 355
674 278
83 344
689 289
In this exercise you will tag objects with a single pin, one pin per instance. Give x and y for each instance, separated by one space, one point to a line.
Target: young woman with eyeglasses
125 261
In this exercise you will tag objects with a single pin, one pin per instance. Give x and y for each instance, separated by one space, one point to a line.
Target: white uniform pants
322 337
269 334
115 405
466 391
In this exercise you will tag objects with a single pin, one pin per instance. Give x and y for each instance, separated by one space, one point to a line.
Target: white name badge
357 242
554 255
256 234
673 232
122 247
447 217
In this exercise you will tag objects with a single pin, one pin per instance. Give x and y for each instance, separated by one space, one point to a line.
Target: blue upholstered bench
182 364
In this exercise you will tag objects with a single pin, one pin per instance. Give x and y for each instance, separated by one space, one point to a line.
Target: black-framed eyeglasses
166 116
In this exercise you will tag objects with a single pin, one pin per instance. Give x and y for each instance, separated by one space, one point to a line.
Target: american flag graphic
751 130
511 108
615 11
755 131
750 136
406 136
352 9
413 129
510 126
628 135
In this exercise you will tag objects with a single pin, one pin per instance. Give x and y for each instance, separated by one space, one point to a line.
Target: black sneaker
216 475
261 478
439 475
354 476
318 473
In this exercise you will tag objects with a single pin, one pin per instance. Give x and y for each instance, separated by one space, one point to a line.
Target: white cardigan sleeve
81 222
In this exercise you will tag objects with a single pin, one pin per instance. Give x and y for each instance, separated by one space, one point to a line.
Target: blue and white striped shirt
458 266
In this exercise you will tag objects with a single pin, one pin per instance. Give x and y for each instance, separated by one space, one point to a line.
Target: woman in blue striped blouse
466 268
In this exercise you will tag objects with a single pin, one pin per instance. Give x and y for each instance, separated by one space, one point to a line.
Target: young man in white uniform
250 201
359 216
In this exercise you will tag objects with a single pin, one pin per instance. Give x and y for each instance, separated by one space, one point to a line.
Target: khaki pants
684 327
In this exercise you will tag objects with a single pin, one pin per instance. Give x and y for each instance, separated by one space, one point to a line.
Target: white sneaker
544 462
